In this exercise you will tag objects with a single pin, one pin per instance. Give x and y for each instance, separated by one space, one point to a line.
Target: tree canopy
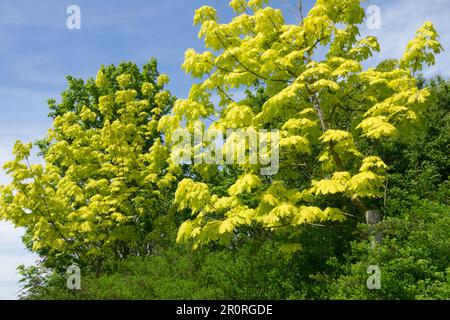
113 194
327 107
102 187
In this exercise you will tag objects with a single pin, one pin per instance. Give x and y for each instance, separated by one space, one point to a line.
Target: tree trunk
373 217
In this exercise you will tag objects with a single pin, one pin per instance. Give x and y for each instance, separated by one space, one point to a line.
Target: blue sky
37 51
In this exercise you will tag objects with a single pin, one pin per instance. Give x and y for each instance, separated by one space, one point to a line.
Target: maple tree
101 190
327 107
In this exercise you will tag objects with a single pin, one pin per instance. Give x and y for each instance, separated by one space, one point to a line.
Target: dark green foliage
178 273
414 257
419 162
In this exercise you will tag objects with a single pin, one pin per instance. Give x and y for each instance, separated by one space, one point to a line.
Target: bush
413 257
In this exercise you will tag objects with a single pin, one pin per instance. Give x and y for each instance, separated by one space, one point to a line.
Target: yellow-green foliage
102 173
325 108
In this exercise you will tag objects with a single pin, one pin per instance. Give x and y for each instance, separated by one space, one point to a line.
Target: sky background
37 52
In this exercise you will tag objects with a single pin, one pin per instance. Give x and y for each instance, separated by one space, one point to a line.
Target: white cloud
9 264
9 236
401 19
12 254
9 290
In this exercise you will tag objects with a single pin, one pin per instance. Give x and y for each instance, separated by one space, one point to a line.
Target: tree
329 110
102 189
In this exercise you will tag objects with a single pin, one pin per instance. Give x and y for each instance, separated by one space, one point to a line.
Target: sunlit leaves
377 127
422 49
245 184
203 14
192 195
326 111
91 191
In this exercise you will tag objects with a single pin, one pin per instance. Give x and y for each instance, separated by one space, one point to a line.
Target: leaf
377 127
226 226
290 248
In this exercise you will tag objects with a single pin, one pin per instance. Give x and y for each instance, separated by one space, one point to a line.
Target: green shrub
413 258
